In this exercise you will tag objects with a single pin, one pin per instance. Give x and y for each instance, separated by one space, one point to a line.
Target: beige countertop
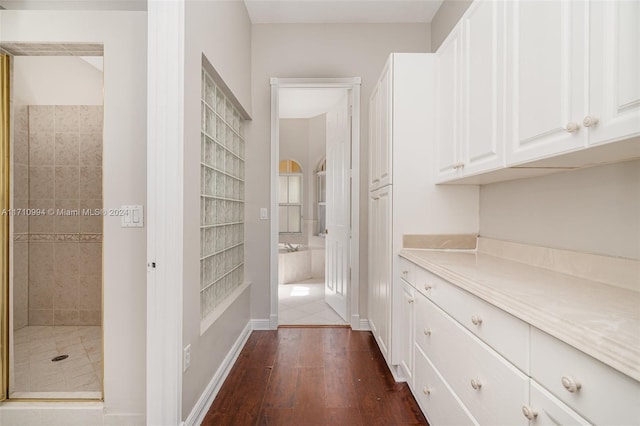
600 319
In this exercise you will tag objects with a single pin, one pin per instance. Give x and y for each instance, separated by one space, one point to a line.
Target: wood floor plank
281 392
312 376
310 389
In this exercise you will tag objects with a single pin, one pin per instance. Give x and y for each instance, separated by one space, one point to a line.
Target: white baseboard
124 419
206 399
273 322
260 324
355 322
364 325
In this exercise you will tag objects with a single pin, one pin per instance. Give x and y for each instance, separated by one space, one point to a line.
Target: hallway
312 376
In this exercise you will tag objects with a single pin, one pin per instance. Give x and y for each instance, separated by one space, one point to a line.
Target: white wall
445 19
124 177
594 210
55 80
222 30
320 50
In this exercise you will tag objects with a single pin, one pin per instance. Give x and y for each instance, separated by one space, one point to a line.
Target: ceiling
73 4
274 11
307 103
341 11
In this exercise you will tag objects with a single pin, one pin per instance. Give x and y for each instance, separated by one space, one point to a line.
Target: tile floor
36 376
303 304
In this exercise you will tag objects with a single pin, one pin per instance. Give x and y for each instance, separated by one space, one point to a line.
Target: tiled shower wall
20 200
64 250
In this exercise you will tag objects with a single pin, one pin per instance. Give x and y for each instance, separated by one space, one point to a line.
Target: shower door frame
6 252
5 163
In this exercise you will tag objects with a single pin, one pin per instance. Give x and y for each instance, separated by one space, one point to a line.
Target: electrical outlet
186 357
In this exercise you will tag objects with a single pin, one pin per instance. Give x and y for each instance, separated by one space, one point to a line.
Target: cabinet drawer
407 271
503 332
489 386
550 411
435 398
605 396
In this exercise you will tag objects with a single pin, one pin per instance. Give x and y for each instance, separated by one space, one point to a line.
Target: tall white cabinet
403 198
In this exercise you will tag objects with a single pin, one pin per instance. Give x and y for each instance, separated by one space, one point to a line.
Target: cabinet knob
427 332
410 301
570 384
458 166
405 273
590 121
476 320
572 126
476 384
428 287
426 391
528 412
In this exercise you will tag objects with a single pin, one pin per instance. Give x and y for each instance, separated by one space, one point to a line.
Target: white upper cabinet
527 87
615 71
470 88
380 128
448 106
374 138
547 78
483 87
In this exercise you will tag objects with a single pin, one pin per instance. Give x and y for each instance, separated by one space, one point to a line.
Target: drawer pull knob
476 320
426 391
476 384
405 273
428 287
410 300
572 127
427 332
590 121
570 384
528 412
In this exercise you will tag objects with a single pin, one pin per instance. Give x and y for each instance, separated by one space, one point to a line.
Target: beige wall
445 19
222 31
594 210
124 176
55 80
320 50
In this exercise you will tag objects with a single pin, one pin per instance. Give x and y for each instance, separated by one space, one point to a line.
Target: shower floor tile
36 376
303 304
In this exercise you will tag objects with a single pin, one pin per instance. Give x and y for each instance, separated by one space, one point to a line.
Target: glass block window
221 198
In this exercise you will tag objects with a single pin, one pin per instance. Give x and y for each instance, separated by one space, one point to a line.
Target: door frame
354 250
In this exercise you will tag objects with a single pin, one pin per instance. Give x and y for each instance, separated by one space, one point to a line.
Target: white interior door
338 206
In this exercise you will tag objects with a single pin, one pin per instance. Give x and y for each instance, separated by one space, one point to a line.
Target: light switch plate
132 216
264 213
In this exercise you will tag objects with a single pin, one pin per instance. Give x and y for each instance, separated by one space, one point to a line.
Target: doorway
54 320
315 187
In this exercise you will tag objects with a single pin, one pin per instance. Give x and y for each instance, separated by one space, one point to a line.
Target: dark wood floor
312 376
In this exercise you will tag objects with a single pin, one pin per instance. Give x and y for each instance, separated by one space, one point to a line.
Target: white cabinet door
448 108
547 410
615 71
404 315
380 267
483 87
374 139
547 78
384 148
